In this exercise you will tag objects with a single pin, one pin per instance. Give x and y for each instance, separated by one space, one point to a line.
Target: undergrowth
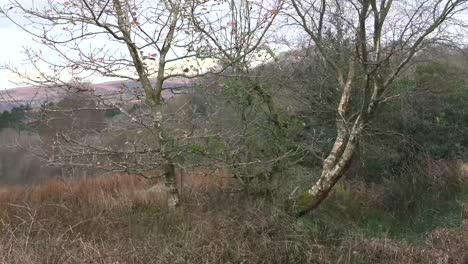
122 219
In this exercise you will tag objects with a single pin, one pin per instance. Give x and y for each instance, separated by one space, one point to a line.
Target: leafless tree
367 44
148 43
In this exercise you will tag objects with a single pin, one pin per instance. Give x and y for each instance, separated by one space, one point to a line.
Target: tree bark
153 93
334 167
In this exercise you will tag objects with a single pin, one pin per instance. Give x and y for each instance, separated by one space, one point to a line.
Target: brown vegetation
121 219
203 179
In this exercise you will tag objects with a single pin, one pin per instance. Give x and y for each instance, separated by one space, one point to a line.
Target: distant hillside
37 95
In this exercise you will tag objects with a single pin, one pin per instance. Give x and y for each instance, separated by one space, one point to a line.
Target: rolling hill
38 95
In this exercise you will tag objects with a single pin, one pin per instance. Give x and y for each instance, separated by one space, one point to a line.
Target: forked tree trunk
379 64
153 93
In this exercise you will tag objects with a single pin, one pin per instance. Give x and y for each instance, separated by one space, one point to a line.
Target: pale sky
14 40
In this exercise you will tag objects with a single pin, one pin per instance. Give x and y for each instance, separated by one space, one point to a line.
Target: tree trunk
170 182
153 93
168 167
334 167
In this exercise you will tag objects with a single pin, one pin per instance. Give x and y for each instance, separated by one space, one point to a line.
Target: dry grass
120 219
442 246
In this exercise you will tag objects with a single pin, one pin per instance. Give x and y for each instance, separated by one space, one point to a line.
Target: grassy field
121 219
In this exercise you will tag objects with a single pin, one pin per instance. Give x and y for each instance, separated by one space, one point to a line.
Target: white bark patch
158 117
463 167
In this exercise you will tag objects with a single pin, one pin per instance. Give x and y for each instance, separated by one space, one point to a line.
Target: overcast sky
13 42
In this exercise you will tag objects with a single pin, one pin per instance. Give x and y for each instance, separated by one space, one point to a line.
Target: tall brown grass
122 219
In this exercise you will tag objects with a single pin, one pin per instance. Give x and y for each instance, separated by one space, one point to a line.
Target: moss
340 189
198 148
304 201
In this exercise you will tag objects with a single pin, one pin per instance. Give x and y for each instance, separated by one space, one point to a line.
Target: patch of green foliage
111 113
13 118
338 220
438 118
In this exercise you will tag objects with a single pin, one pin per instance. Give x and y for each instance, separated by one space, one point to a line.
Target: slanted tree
367 44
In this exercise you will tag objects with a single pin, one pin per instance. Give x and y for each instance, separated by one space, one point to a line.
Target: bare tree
146 42
367 44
